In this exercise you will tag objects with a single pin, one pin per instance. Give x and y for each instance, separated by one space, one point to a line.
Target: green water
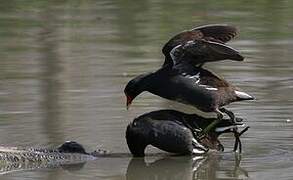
64 65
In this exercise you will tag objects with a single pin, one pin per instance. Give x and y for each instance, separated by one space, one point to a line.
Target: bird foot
238 144
238 119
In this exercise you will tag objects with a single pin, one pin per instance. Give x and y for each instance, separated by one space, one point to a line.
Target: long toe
238 119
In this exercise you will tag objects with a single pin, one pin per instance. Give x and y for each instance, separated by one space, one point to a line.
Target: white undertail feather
243 95
212 89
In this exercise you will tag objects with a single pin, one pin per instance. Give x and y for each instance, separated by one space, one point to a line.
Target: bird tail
241 96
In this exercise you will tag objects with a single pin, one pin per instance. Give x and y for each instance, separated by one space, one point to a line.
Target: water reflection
50 87
8 168
153 167
189 168
71 167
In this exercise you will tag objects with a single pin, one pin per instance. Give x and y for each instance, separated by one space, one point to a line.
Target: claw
243 131
238 119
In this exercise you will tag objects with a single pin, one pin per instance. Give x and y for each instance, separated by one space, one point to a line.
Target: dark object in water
70 155
183 79
71 147
189 85
176 132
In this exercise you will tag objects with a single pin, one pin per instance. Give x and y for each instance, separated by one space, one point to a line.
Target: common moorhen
189 85
175 132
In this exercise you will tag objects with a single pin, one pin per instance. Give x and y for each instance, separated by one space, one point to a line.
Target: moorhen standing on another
189 85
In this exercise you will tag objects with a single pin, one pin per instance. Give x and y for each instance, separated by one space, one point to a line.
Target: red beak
128 101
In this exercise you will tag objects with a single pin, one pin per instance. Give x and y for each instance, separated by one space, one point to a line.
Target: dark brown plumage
175 132
183 80
206 36
189 85
198 52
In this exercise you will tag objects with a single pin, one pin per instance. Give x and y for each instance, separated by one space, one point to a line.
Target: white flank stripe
208 87
212 89
190 42
194 76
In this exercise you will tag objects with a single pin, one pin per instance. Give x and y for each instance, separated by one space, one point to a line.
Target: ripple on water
269 156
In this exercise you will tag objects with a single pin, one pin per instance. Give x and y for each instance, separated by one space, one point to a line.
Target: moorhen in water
189 85
199 44
182 79
175 132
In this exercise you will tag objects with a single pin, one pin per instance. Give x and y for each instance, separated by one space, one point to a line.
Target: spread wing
217 32
220 33
201 51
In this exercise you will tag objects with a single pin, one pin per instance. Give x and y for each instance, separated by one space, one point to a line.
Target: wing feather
220 33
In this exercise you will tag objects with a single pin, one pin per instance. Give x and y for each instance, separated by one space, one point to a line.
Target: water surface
64 64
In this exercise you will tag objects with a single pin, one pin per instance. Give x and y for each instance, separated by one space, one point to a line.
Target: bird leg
229 113
194 131
237 169
237 138
213 124
237 141
200 65
237 134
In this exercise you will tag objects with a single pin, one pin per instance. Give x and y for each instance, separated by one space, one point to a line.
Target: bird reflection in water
187 167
